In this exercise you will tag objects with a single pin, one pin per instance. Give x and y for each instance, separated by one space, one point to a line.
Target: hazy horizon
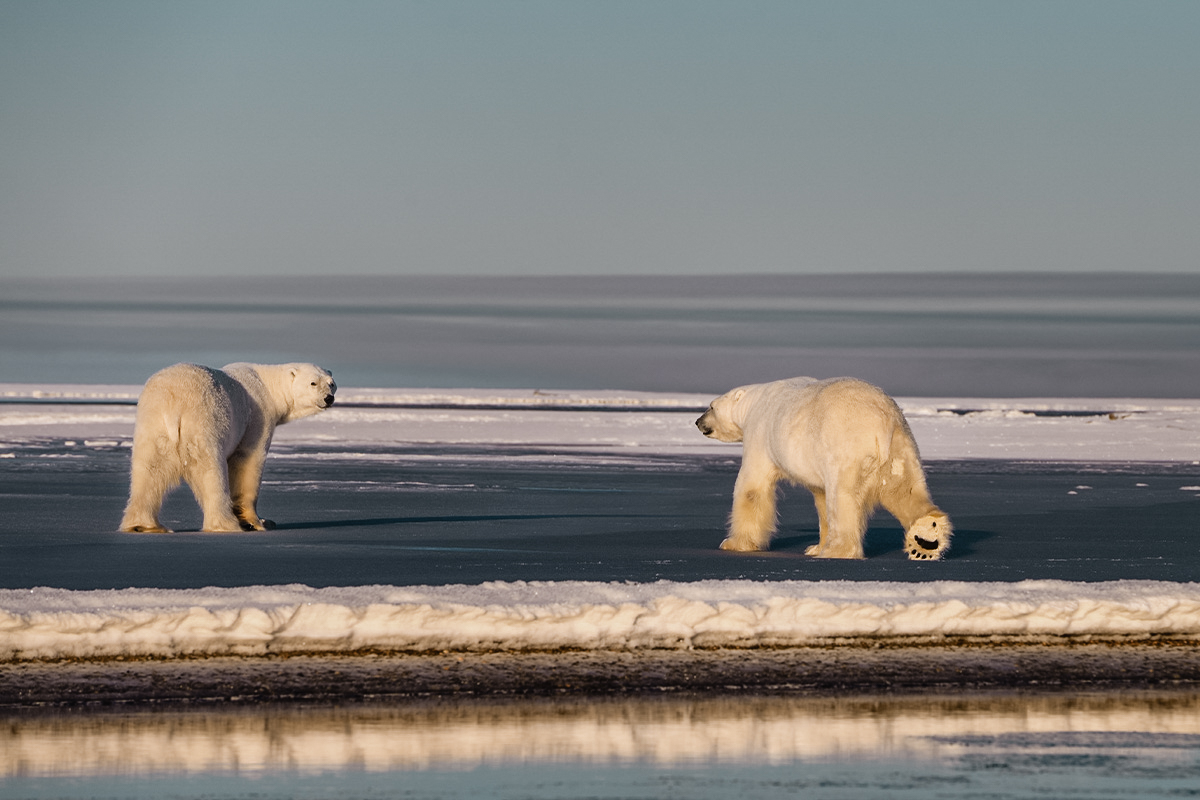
539 138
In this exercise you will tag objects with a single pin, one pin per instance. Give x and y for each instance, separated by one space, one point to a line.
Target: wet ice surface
491 521
1095 745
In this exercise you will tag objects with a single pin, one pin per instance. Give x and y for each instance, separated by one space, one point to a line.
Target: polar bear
212 428
845 441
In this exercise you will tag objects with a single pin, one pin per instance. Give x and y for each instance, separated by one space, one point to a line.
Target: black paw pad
927 543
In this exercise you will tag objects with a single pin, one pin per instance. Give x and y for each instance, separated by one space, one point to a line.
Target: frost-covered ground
48 427
1046 429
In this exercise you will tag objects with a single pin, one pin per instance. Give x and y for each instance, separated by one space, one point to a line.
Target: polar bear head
724 418
311 390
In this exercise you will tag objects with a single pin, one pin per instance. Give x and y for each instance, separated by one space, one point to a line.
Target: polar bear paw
928 538
146 529
739 545
848 550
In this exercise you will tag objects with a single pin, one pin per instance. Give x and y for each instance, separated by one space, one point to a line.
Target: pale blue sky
165 138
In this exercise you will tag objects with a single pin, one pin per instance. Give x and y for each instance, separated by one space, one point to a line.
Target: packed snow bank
56 623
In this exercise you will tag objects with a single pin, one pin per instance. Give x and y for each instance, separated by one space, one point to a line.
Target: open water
1014 335
764 746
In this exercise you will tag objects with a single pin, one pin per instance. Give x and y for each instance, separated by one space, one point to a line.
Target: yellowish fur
845 441
211 428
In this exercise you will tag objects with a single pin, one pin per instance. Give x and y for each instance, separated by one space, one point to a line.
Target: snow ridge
48 623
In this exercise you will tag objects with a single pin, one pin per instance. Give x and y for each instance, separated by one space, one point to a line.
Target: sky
680 138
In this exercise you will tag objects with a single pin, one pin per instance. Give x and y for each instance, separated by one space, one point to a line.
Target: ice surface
55 623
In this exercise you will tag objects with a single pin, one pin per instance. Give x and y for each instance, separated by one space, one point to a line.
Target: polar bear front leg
753 519
245 478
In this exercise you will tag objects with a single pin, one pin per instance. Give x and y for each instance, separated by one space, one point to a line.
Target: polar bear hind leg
927 529
208 477
153 474
848 506
822 522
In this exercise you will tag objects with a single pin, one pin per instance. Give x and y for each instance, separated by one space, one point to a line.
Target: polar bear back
237 405
185 401
813 429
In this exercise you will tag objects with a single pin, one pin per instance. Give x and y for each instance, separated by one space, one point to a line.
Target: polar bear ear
738 394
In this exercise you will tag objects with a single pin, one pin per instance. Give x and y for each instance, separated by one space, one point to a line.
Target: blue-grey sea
997 335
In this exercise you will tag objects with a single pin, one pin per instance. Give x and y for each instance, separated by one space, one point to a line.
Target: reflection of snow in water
664 732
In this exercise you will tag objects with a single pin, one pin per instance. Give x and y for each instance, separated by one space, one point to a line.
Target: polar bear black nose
328 400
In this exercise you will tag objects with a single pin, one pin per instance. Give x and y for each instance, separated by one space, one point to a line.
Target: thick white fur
212 428
845 441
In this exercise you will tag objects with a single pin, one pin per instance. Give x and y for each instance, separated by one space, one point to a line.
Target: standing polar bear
212 428
842 439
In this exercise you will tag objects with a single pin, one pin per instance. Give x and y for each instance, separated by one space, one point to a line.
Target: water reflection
659 732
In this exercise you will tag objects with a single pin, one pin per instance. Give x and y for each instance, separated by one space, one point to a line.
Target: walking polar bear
842 439
212 428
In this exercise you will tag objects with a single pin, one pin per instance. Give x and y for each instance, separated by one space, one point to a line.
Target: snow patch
1051 429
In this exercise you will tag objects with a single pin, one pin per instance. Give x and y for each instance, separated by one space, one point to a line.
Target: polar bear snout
323 386
713 426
